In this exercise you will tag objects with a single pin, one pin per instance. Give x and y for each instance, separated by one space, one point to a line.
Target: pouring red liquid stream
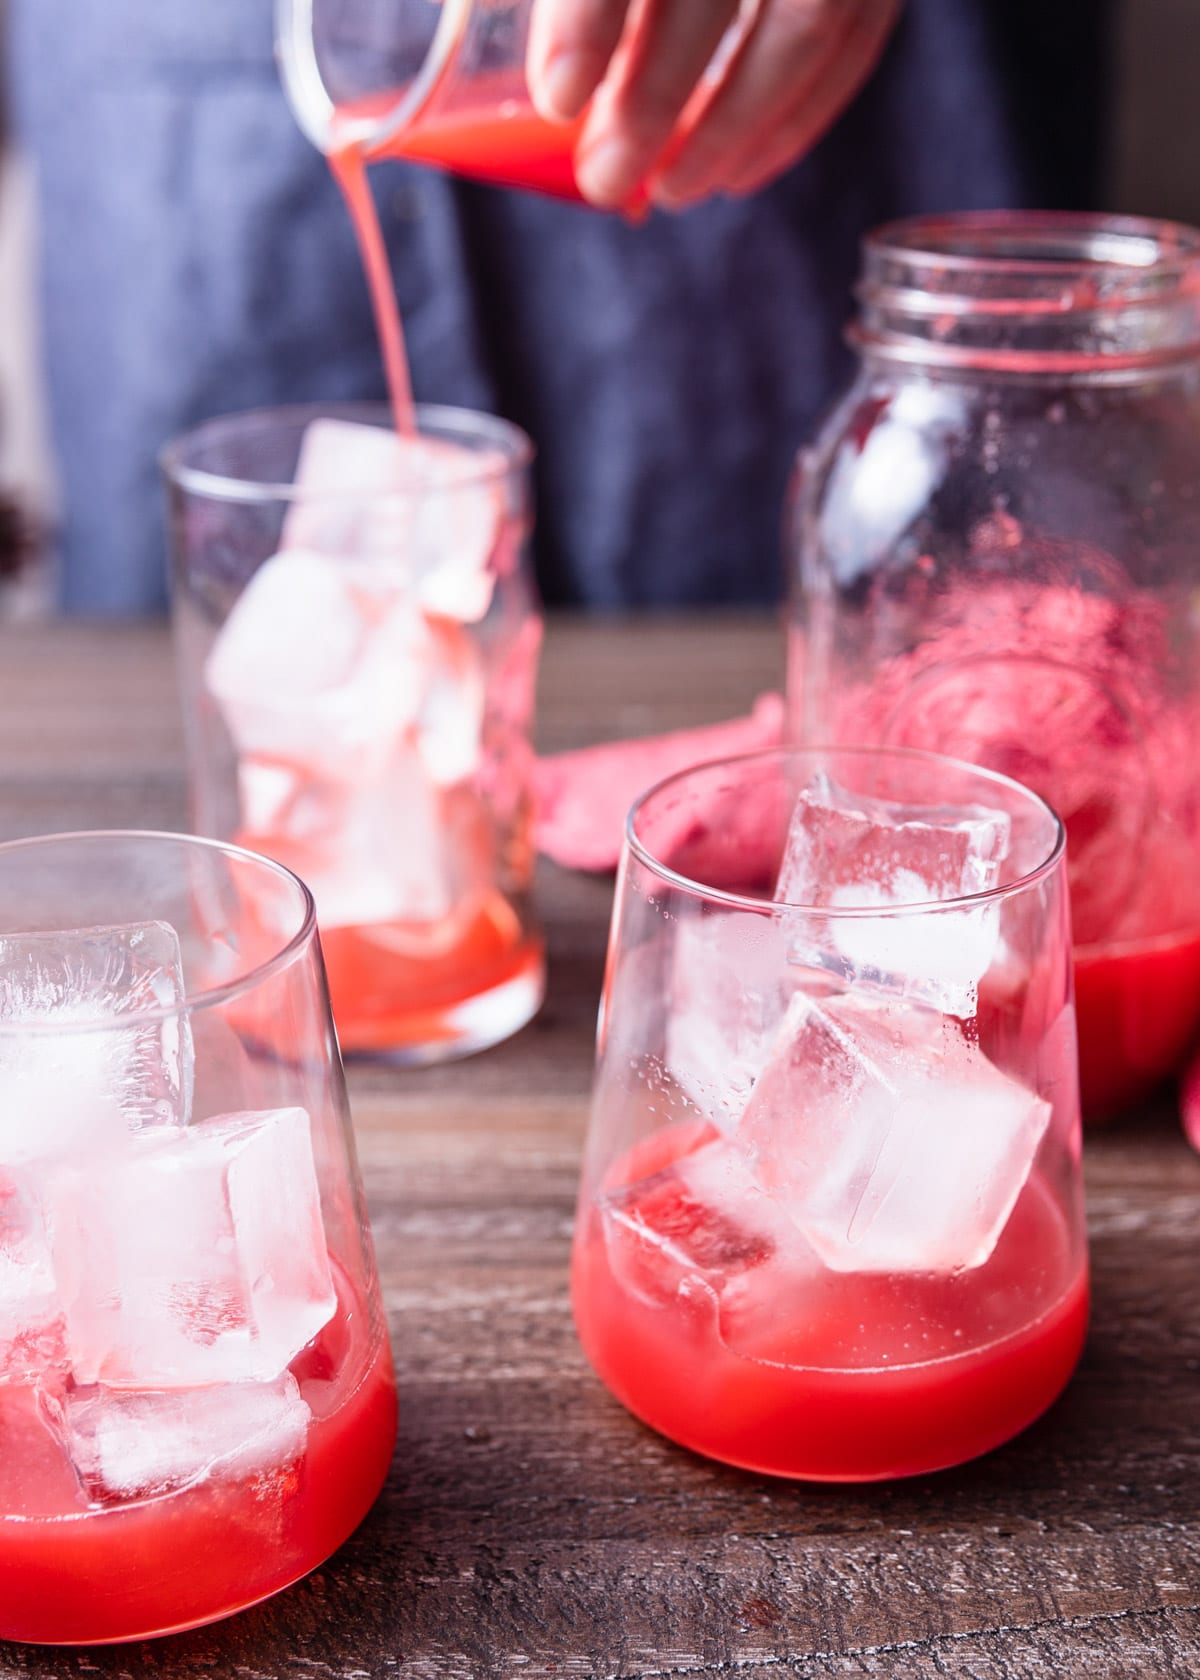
498 138
349 168
522 151
517 150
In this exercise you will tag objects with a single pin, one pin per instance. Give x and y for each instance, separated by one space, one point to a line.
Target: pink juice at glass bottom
849 1376
76 1572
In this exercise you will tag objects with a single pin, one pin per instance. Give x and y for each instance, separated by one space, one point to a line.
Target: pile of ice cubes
350 675
157 1275
854 1122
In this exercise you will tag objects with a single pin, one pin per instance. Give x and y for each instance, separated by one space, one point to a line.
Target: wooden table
530 1527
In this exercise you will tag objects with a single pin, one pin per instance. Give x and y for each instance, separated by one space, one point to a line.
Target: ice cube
450 718
265 794
463 885
135 1445
36 1476
341 466
31 1320
852 851
888 1137
374 853
683 1232
423 510
729 990
319 667
700 1237
66 1088
197 1257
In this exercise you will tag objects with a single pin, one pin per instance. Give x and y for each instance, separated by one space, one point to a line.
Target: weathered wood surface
530 1527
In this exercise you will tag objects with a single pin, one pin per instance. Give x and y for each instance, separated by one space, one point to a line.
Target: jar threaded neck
1031 292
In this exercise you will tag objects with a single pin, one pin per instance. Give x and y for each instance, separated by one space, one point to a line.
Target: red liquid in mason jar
1139 1012
1076 694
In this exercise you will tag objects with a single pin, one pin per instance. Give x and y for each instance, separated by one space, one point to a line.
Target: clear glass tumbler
197 1403
358 631
831 1222
995 543
434 81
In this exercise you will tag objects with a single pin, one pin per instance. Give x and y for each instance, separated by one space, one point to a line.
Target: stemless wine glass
197 1403
357 631
830 1223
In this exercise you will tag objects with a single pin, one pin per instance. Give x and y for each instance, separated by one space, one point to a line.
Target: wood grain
530 1527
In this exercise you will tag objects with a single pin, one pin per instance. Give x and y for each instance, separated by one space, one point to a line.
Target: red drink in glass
76 1573
853 1378
830 1224
197 1403
360 701
1027 602
391 995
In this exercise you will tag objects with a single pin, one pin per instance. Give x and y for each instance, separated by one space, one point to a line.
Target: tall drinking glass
357 632
197 1403
831 1222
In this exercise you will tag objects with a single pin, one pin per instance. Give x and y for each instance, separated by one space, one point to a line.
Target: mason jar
995 550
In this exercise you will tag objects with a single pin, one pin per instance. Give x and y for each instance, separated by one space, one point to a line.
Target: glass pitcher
996 554
433 81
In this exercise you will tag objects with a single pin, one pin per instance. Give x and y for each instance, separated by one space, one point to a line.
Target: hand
693 97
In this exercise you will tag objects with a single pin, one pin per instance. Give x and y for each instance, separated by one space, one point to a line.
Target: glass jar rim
505 449
1038 243
1031 292
207 997
680 882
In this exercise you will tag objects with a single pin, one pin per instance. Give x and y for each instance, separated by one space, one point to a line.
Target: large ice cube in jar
75 1075
888 1137
424 509
852 851
134 1446
195 1258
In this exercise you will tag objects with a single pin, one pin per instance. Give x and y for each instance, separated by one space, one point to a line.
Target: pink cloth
1189 1102
584 796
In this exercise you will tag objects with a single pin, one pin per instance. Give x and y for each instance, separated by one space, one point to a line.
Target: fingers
639 105
817 109
798 69
571 43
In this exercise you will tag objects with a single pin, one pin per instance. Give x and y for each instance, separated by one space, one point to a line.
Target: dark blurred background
1152 167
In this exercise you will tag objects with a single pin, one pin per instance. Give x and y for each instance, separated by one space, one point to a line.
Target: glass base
112 1576
409 1038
